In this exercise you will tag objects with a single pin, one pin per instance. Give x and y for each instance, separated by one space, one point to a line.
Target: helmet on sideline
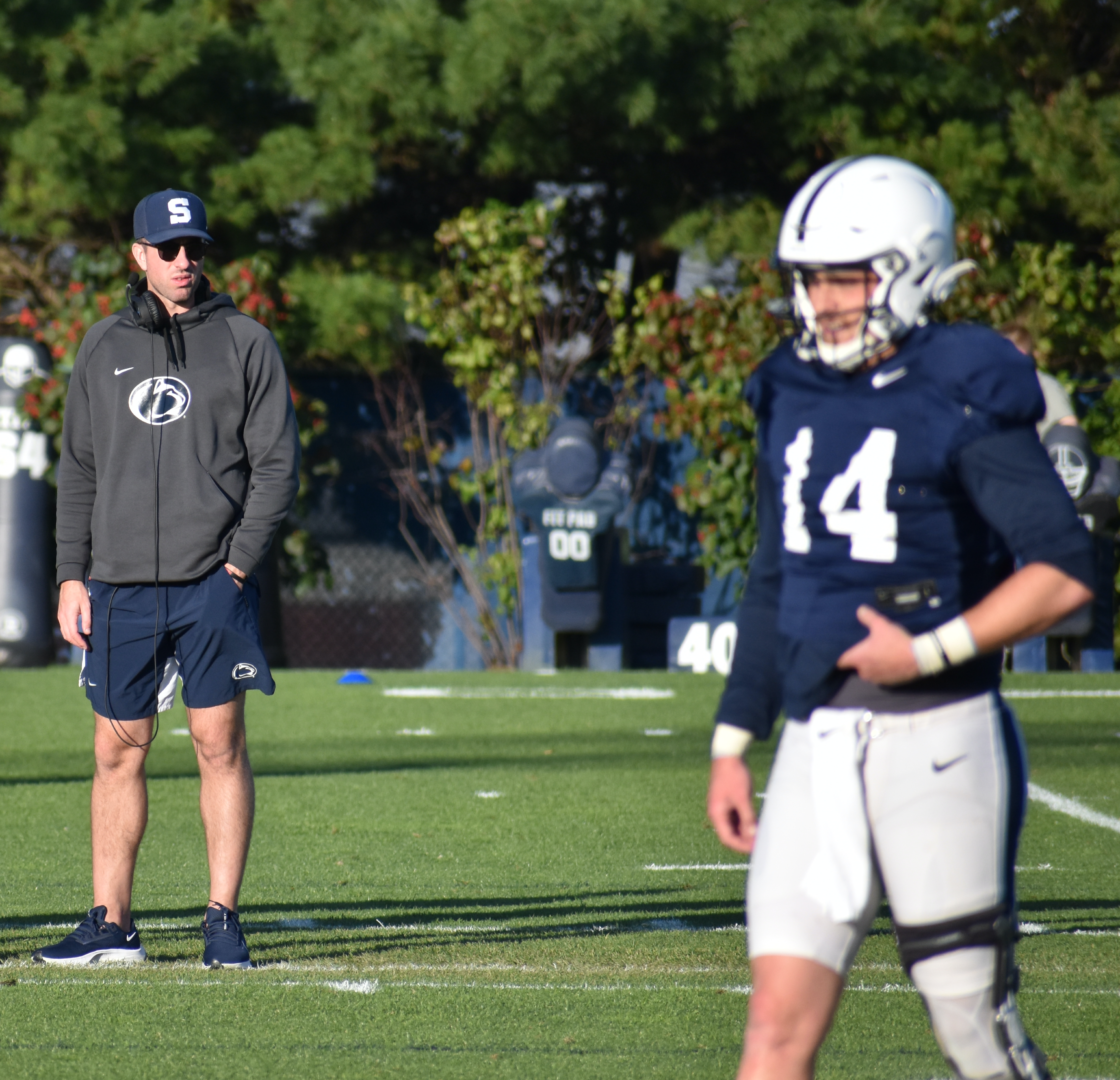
876 213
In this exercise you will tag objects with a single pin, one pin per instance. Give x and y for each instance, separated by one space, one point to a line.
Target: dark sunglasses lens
169 252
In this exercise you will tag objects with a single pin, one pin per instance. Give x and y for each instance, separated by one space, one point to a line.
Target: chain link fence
378 615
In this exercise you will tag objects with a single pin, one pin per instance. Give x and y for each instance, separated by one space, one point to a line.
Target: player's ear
140 254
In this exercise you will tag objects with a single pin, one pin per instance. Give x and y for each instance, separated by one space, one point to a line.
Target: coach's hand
885 655
729 803
236 574
73 604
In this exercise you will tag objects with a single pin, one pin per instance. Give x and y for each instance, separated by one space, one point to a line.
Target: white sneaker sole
104 956
217 965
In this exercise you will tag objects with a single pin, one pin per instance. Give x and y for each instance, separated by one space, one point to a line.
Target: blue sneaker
93 941
225 943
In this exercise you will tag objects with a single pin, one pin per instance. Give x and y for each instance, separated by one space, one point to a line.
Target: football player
900 481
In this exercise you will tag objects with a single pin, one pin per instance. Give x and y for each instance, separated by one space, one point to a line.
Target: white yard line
1065 805
698 866
623 693
377 985
1059 693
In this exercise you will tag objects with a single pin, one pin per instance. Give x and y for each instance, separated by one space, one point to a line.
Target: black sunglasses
169 249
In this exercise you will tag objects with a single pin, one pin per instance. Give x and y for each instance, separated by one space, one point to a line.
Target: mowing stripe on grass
1065 805
622 693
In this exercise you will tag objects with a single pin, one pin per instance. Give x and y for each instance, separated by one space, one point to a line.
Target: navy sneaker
94 940
225 943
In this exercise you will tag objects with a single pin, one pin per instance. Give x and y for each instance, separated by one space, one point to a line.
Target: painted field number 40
872 527
700 654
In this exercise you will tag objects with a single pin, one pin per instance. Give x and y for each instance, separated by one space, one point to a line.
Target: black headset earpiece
147 310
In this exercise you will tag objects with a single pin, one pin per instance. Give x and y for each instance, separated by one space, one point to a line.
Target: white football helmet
877 213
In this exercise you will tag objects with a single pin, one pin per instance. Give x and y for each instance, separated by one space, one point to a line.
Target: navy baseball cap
168 215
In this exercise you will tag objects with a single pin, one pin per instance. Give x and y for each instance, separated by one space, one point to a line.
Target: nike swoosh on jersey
885 378
941 766
121 370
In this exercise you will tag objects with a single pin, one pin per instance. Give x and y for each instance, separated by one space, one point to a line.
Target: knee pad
965 971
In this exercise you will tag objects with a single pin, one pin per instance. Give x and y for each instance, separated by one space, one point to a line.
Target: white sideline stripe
623 693
1065 805
698 866
313 924
284 924
1038 928
1059 693
365 986
391 928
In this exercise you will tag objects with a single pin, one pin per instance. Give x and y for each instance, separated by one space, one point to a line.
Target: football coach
180 458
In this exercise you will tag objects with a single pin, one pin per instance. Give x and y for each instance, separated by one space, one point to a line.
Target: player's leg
793 1001
221 655
799 954
227 801
126 684
227 797
118 811
945 798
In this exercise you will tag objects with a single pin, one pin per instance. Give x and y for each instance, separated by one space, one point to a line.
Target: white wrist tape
950 644
730 741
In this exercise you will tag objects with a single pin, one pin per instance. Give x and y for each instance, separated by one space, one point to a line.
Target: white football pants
927 805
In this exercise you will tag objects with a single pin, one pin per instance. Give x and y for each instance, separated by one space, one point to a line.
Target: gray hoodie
179 450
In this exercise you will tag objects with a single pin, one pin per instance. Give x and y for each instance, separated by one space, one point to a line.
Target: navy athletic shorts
208 636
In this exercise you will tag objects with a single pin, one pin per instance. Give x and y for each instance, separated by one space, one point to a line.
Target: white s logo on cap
180 211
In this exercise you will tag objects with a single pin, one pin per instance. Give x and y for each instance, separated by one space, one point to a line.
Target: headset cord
156 452
158 457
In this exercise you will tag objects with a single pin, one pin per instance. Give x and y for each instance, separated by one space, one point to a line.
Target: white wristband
950 644
730 741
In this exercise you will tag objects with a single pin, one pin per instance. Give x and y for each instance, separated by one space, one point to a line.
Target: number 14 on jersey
873 528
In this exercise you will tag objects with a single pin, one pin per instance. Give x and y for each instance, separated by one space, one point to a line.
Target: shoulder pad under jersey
981 369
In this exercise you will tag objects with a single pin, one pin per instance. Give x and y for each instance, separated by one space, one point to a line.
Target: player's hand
729 804
235 574
73 604
885 655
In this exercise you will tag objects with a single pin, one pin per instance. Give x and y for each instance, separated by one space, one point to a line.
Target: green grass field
460 887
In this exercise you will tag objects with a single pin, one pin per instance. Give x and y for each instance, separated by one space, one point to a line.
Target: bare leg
227 797
792 1005
118 812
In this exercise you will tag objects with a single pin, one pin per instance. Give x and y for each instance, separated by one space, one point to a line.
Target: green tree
331 140
488 315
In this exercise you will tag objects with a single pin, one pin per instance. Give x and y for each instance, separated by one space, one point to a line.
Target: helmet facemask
877 329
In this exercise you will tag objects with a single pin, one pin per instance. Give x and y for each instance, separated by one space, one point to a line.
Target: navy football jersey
865 465
906 487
